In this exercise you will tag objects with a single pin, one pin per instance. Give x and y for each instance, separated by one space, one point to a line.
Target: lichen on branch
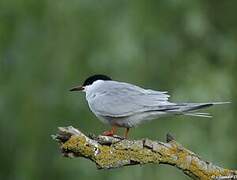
114 152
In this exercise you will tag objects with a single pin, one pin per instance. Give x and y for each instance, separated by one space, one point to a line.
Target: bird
126 105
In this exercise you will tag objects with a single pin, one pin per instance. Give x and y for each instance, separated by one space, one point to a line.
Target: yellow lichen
78 144
125 151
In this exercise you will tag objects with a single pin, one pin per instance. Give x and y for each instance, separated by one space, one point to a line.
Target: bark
114 152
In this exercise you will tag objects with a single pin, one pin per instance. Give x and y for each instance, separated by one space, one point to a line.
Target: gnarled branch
113 152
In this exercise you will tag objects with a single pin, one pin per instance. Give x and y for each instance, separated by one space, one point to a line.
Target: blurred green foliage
186 47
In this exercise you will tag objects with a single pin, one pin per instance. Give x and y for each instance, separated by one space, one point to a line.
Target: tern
121 104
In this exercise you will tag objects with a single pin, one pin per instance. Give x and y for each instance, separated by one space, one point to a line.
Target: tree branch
113 152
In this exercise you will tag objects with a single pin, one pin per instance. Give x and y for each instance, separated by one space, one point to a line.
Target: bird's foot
111 132
108 133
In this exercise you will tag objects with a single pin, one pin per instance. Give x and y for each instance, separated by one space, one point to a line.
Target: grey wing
118 99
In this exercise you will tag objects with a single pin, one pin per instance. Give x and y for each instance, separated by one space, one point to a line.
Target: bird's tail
190 109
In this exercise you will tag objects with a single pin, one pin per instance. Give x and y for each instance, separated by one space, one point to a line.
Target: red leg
126 133
111 132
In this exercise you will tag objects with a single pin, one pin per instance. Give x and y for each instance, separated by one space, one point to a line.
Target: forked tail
190 109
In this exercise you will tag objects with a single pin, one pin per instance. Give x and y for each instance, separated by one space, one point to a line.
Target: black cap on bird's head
90 81
94 78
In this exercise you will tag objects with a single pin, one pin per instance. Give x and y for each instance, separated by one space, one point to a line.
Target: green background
188 48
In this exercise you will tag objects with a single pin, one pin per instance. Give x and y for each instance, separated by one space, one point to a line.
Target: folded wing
117 99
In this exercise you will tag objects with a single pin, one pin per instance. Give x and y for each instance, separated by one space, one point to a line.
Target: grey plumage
127 105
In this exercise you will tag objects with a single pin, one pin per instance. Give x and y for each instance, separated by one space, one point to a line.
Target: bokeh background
188 48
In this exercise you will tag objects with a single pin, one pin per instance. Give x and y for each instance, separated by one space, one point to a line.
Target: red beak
77 88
